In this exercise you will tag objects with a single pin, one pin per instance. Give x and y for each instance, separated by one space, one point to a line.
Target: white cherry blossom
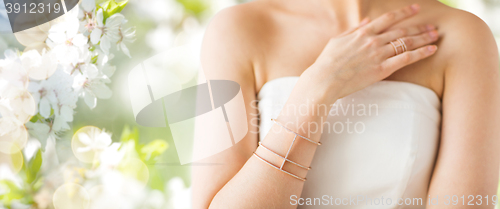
95 140
12 72
103 64
66 41
126 36
91 84
17 103
106 33
55 95
39 66
87 8
86 14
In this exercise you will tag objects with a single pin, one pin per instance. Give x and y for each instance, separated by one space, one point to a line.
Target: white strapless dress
379 147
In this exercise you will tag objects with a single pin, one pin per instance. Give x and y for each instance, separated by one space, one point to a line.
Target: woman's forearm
259 185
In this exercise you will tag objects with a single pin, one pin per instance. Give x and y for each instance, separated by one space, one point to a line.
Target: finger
362 23
412 42
397 62
402 32
388 19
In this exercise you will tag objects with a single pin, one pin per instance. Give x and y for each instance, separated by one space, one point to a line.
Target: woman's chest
291 48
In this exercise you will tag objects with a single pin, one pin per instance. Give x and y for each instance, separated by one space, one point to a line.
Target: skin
256 42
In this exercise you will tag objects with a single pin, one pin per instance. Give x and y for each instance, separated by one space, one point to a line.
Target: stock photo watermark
343 117
455 200
354 200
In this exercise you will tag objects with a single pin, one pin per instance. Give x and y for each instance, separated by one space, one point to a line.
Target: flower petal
101 90
90 100
72 26
99 18
88 5
80 40
45 107
85 138
67 113
83 149
95 35
105 45
115 20
91 70
108 70
57 124
103 139
125 49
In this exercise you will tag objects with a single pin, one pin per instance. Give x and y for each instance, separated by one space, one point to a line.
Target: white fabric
393 157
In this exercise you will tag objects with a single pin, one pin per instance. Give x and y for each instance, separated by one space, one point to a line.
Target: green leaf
156 179
153 149
34 167
128 135
34 119
196 7
38 183
94 59
111 7
13 192
116 7
130 149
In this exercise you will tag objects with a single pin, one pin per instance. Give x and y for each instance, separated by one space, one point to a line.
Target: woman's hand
365 55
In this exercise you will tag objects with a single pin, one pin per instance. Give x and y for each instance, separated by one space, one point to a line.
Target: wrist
317 87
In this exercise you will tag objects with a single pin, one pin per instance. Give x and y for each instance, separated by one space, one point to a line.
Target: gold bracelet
284 158
296 134
291 174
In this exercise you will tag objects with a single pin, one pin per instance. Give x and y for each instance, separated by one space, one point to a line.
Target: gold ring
403 44
399 44
395 47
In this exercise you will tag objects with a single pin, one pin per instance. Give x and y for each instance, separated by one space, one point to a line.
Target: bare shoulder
244 23
240 19
464 24
465 37
470 52
232 37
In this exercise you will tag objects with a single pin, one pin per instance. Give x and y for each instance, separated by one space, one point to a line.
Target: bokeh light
11 156
87 144
21 104
71 196
13 132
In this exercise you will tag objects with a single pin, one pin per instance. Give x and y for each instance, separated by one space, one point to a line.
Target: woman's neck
350 12
345 8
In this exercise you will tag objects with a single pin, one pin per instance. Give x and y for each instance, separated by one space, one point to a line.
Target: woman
430 142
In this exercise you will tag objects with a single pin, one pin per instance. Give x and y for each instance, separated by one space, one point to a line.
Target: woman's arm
226 55
348 63
469 152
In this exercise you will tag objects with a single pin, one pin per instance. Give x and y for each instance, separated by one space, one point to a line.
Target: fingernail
434 34
415 7
432 48
430 27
